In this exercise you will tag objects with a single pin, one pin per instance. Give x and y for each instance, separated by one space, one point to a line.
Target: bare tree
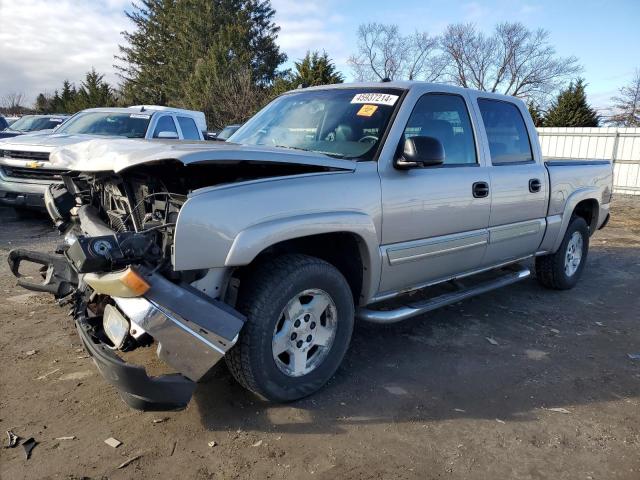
383 52
12 103
512 60
627 104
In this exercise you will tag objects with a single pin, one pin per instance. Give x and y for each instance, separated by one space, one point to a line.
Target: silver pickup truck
376 202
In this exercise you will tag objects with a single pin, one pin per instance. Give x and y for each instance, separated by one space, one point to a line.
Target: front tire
300 317
562 270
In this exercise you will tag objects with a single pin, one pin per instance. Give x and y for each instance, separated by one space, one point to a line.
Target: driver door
435 219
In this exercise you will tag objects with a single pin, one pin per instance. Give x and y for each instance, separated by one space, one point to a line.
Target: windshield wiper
329 154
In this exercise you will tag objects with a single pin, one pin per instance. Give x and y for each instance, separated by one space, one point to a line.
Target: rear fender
587 193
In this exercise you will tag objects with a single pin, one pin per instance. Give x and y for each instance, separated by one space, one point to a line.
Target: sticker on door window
376 98
367 110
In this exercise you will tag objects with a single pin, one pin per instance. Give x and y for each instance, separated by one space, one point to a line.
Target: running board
417 308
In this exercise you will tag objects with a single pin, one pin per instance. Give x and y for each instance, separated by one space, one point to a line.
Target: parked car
25 170
332 203
3 123
222 134
33 123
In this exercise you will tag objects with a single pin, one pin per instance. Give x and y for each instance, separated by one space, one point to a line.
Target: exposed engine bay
139 210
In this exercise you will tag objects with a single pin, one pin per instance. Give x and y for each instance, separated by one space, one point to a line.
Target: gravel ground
553 394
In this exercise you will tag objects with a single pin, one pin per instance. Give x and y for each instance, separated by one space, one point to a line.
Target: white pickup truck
331 204
25 170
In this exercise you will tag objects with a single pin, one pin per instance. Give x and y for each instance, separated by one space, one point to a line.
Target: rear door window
506 131
189 128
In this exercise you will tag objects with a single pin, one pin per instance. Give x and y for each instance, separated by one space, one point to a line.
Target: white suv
25 171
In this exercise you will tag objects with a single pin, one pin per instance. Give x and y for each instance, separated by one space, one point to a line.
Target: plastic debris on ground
127 462
113 442
28 445
13 439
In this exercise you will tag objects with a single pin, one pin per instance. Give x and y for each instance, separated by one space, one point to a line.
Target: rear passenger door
188 128
519 184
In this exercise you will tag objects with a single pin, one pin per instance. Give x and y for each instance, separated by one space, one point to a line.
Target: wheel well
588 209
340 249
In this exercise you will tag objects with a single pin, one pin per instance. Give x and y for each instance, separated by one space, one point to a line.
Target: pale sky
44 42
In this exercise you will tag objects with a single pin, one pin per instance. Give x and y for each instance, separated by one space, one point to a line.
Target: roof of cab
408 85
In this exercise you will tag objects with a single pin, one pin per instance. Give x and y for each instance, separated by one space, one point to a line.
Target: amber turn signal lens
135 282
126 283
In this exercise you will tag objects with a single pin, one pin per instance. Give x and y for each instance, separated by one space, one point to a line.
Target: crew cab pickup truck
376 202
25 170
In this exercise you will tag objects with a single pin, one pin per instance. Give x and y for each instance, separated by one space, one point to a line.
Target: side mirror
420 152
168 135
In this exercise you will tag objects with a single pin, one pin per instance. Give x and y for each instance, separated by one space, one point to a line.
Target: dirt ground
553 394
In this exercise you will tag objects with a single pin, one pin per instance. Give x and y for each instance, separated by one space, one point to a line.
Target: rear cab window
506 131
189 128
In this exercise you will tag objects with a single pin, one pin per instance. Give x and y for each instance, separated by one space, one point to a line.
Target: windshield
344 123
30 123
110 124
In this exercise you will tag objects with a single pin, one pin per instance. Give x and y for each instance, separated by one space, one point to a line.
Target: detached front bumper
137 389
192 331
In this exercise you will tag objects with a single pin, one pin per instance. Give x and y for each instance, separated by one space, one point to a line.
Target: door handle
535 185
480 189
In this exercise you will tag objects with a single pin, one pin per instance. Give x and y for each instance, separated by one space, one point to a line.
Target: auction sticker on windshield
367 110
139 115
376 98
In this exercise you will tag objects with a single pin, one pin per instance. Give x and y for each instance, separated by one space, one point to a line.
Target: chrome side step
417 308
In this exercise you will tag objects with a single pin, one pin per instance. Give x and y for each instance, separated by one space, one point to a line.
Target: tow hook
59 278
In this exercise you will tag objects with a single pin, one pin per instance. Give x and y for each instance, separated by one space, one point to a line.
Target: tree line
222 57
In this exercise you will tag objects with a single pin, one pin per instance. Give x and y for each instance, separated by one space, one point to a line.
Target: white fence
622 145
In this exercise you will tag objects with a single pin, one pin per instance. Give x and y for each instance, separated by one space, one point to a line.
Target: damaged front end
115 269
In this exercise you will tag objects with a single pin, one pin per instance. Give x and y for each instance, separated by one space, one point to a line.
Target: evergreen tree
56 103
314 69
67 98
570 109
94 92
43 104
172 37
537 115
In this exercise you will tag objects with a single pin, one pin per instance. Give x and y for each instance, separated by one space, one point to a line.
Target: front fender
230 225
256 238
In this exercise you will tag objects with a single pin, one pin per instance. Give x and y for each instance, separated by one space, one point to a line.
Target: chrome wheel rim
304 333
573 255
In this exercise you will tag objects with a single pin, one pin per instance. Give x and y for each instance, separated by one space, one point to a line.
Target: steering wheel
368 139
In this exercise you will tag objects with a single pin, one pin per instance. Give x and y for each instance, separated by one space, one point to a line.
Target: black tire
262 298
550 269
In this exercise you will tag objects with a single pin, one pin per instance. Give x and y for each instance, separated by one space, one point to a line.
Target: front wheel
562 270
300 317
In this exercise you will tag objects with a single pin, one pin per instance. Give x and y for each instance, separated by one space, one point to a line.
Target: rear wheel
300 317
562 270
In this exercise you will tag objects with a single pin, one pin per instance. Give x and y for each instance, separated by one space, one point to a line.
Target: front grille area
20 155
32 173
